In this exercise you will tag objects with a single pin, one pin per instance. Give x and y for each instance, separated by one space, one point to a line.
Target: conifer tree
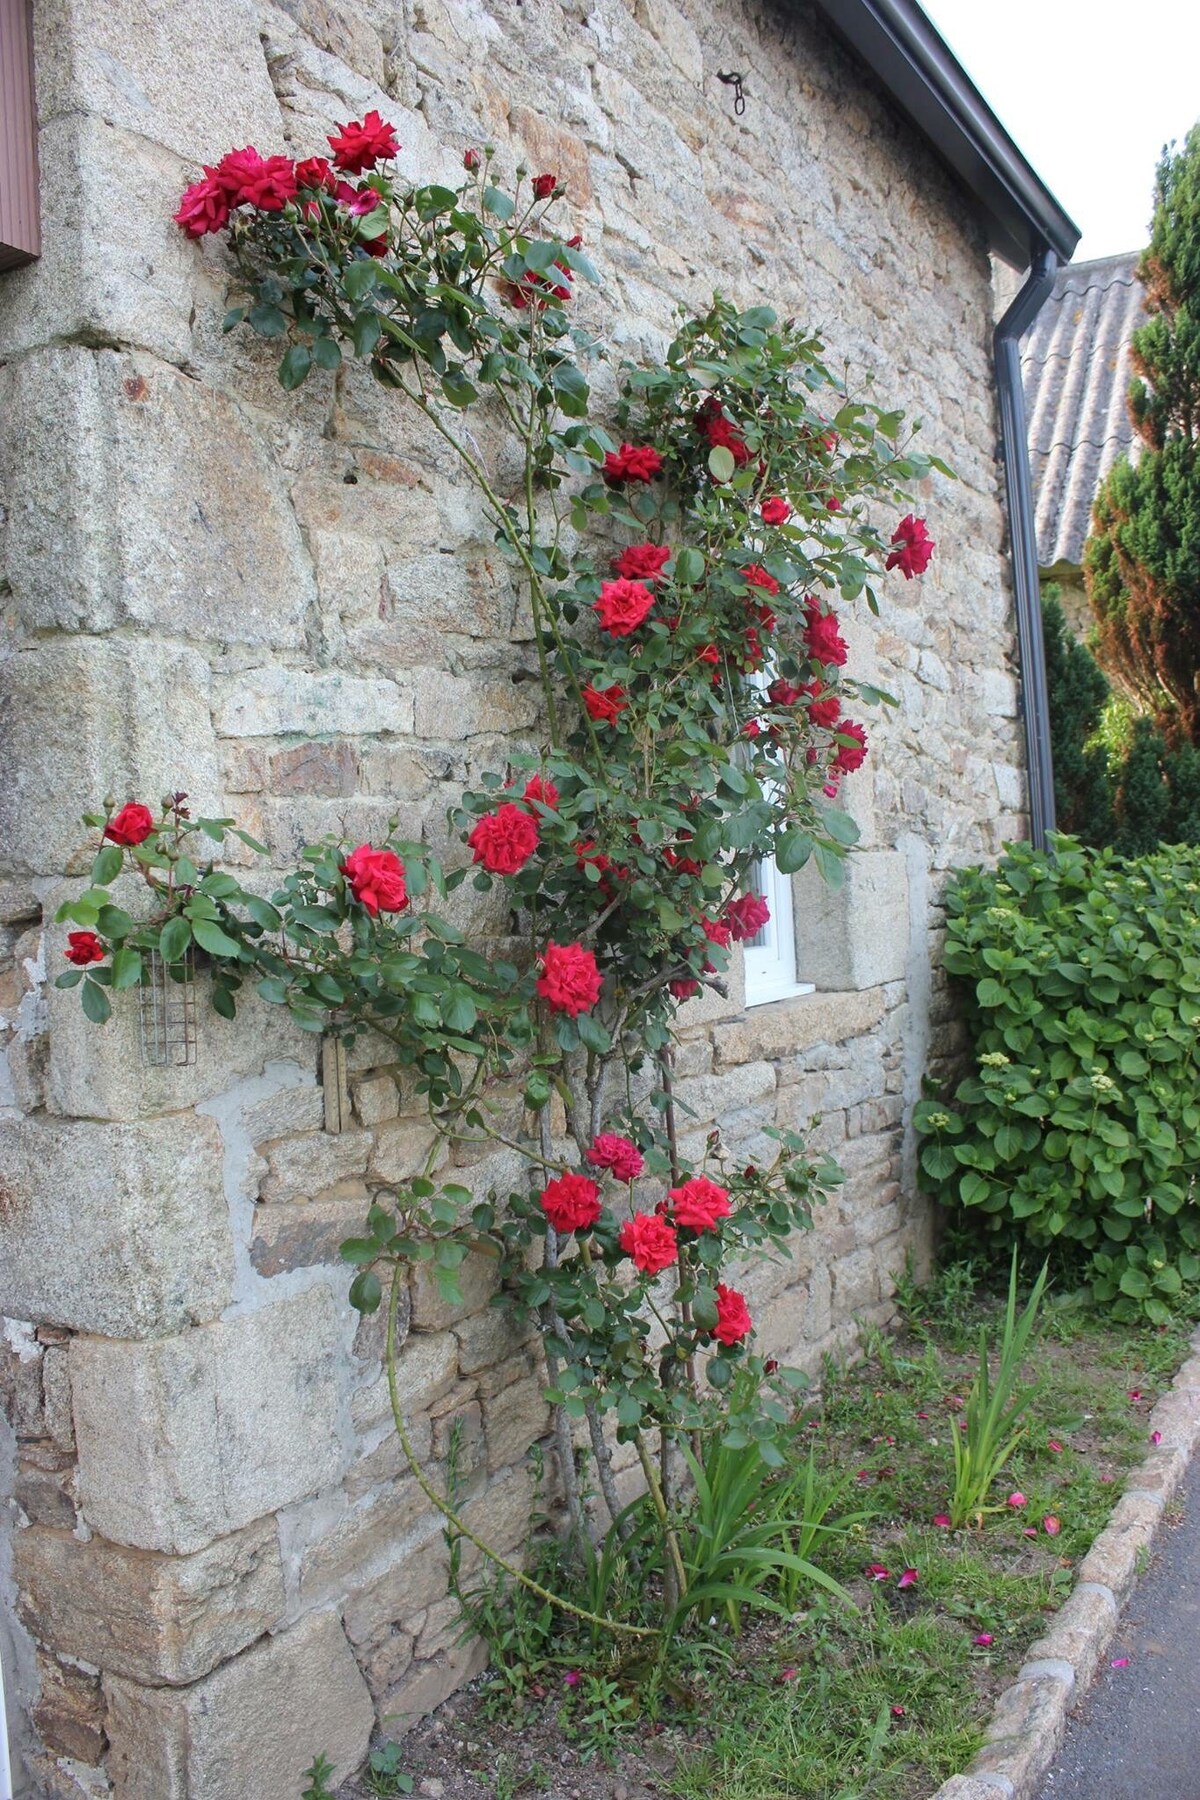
1076 690
1143 562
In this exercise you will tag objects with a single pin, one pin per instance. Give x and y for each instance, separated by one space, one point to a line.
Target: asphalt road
1137 1735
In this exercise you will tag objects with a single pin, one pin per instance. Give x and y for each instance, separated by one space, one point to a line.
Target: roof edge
896 40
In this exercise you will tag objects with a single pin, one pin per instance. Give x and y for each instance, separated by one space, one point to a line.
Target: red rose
132 825
576 242
204 206
833 504
747 916
605 704
716 932
470 160
821 711
699 1204
710 654
684 989
622 606
632 462
782 692
717 429
543 791
775 511
544 186
850 756
505 840
825 642
572 1203
315 173
376 879
84 947
757 576
249 179
618 1154
733 1316
360 146
570 981
751 729
642 562
752 655
915 547
650 1241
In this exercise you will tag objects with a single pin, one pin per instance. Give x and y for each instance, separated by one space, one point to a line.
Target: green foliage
319 1774
1077 691
984 1445
1078 1131
385 1775
1143 562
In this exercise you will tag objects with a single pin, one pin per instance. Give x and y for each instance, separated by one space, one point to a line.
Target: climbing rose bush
686 573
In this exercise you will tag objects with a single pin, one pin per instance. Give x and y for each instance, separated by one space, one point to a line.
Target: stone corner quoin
289 606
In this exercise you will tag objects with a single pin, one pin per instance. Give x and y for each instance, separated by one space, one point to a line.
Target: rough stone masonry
212 1563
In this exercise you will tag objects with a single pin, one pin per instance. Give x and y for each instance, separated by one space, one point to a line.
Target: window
771 955
20 236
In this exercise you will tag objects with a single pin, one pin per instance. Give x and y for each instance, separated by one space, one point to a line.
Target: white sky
1090 91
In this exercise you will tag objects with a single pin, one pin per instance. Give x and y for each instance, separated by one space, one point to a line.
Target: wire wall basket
167 1015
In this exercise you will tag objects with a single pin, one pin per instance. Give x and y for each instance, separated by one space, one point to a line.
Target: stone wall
288 605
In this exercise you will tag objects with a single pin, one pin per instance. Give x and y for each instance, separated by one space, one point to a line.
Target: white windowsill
786 990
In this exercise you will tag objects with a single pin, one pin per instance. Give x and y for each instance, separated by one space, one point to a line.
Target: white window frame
770 961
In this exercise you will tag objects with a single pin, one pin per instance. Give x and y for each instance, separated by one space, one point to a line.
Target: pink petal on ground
942 1520
1051 1525
1104 1478
1156 1437
1119 1662
897 1712
983 1639
955 1400
1029 1531
907 1579
1134 1394
877 1572
863 1475
1054 1445
572 1678
922 1415
787 1674
1017 1500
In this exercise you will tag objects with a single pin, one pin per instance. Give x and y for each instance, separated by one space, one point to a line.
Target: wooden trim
20 225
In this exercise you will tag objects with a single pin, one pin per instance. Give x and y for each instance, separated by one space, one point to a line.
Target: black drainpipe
1014 449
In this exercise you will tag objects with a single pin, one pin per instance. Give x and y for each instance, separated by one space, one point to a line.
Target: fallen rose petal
1029 1531
1054 1445
1119 1662
863 1475
1017 1499
942 1520
983 1639
907 1579
877 1572
1156 1437
787 1674
1105 1478
1134 1394
897 1712
955 1400
1051 1525
572 1678
922 1415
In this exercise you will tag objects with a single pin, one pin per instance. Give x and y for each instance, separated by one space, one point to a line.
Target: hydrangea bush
681 571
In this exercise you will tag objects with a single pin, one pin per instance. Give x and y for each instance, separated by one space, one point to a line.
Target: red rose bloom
544 186
360 146
685 988
249 179
717 429
570 981
204 206
84 947
747 916
821 711
775 511
622 606
316 174
376 879
825 642
757 576
605 704
783 693
650 1241
538 788
851 756
699 1204
632 462
505 840
709 654
132 825
642 562
618 1154
733 1316
915 547
470 160
572 1203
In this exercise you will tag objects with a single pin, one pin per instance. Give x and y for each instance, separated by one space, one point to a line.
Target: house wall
288 605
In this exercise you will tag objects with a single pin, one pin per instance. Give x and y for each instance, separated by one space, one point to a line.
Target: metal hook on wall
734 80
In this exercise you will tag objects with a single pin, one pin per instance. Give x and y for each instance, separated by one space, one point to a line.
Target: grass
887 1701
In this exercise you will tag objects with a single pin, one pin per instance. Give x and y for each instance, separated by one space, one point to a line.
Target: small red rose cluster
651 1240
269 183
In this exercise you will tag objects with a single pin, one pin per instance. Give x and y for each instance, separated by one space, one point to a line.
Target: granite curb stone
1027 1727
